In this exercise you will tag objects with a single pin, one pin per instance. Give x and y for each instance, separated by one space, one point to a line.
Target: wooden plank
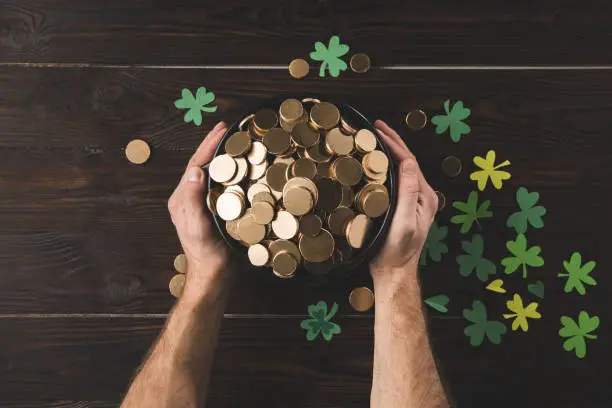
268 362
275 32
84 231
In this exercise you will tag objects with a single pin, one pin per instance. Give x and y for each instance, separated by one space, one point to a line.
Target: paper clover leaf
438 303
473 212
453 120
522 256
578 274
496 286
434 247
530 214
576 333
474 260
489 170
536 289
521 313
481 325
195 105
330 56
319 322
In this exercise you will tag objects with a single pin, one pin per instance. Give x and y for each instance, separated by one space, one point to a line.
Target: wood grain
274 32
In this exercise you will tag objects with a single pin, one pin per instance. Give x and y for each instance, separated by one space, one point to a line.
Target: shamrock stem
322 69
524 271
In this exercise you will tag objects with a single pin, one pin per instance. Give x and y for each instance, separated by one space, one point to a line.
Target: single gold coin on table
416 120
222 168
298 200
298 68
258 153
263 212
361 299
303 135
250 231
137 151
176 285
230 206
357 229
347 170
310 224
180 263
325 115
238 144
291 110
284 265
318 248
365 141
285 225
258 255
339 219
360 63
451 166
338 143
277 141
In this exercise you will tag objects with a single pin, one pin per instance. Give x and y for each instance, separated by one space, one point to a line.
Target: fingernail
195 175
220 125
409 167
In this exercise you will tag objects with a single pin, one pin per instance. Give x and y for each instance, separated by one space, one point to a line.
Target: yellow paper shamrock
521 314
489 170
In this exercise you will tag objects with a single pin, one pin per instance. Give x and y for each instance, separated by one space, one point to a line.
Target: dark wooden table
86 244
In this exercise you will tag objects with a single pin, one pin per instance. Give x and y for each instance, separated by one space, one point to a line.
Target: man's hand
416 207
207 255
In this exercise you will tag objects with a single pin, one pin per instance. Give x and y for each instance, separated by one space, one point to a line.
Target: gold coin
365 190
250 231
324 115
236 189
360 63
451 166
338 220
263 212
211 199
265 119
416 120
265 197
347 127
376 161
285 225
232 229
304 168
230 206
310 224
376 203
258 153
241 171
338 143
277 141
238 144
357 229
361 299
258 255
256 188
379 178
298 68
303 135
180 263
137 151
176 285
276 176
365 141
245 121
441 200
298 200
311 100
347 196
347 170
222 168
318 248
324 170
257 171
284 265
305 183
317 153
283 245
291 110
330 194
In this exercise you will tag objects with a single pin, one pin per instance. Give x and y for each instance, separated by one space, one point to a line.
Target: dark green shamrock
438 303
528 215
577 274
537 289
319 321
330 56
474 260
473 212
195 105
434 247
453 119
481 326
576 333
522 256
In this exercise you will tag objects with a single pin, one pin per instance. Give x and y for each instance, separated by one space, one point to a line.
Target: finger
191 191
407 201
205 151
398 151
392 133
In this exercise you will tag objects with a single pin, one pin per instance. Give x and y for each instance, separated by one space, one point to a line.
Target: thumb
408 193
193 190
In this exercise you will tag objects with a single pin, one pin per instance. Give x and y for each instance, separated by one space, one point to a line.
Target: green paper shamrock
330 56
537 289
438 303
474 260
195 105
522 256
319 321
528 215
578 274
434 247
453 120
481 326
576 333
473 212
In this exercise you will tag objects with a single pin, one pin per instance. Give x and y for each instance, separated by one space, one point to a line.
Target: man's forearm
405 373
177 372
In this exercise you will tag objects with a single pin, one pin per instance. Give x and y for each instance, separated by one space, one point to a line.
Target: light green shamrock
330 56
195 105
453 120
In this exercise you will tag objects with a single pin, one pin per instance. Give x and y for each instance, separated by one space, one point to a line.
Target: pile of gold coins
299 186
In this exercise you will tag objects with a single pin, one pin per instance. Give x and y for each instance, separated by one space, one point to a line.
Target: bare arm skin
405 374
177 371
